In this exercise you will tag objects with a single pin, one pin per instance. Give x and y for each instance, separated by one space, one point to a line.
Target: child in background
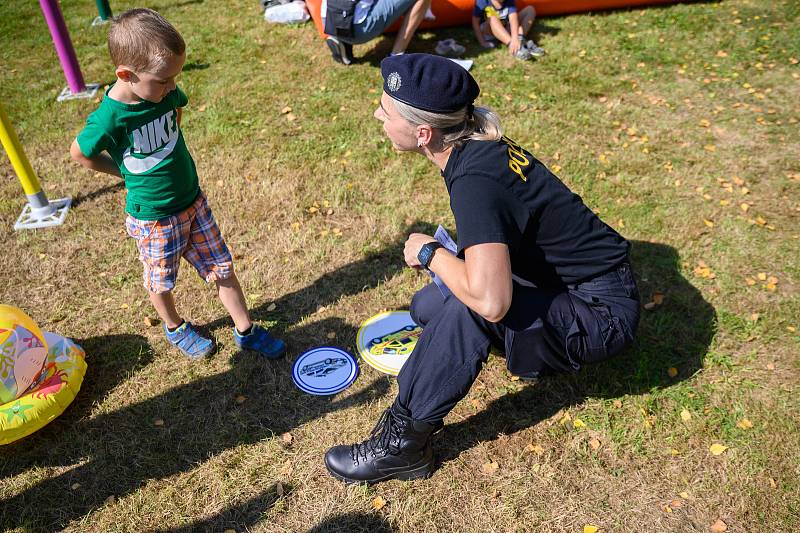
135 134
499 19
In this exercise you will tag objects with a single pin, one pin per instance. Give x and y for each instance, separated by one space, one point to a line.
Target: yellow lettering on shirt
517 160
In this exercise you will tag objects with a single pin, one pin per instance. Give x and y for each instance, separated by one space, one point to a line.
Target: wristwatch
425 255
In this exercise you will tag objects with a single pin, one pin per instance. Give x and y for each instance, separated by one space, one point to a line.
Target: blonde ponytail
482 124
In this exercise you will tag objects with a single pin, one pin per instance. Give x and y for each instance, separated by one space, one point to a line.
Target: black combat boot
398 448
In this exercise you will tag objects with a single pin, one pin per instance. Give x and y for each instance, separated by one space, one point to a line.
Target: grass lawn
677 124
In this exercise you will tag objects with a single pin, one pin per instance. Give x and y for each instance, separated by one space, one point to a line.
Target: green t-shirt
147 145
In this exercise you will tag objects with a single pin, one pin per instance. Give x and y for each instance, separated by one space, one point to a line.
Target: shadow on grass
353 523
676 334
108 189
115 453
238 517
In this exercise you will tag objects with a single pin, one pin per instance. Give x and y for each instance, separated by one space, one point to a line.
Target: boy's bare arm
100 163
513 22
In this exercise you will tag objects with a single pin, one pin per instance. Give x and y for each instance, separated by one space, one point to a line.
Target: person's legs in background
526 18
409 26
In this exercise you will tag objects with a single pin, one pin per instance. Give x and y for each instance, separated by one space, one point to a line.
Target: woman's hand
414 242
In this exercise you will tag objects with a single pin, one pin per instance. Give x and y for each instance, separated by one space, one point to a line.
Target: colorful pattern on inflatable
40 375
459 12
22 352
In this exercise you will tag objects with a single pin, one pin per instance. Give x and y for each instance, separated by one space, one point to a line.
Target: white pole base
99 22
43 217
89 92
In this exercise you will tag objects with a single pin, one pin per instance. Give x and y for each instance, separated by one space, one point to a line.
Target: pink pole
66 53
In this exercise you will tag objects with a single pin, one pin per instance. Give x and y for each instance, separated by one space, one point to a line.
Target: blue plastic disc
324 370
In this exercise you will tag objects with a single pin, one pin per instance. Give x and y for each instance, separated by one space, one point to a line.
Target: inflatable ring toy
459 12
53 390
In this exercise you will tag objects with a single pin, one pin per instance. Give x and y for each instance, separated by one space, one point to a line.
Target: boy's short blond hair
142 39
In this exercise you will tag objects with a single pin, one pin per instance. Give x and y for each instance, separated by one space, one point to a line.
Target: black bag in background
339 18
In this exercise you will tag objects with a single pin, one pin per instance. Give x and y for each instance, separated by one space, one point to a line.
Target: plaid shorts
193 234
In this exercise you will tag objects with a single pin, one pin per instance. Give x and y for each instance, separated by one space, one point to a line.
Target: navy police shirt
499 193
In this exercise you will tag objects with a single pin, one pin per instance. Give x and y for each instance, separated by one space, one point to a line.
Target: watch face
426 253
423 256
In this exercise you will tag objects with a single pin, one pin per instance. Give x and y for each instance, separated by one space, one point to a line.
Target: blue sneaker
260 340
188 341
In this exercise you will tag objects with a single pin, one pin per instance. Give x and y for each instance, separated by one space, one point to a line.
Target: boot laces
383 440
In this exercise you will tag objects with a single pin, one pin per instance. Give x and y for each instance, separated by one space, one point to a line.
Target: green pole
104 9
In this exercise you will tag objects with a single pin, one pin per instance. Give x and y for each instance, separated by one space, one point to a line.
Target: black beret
428 82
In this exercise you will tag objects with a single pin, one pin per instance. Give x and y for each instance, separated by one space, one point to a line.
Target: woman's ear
424 135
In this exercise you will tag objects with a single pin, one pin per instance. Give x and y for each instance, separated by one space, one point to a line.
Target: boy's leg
164 304
209 254
230 293
486 30
526 18
160 244
499 30
411 22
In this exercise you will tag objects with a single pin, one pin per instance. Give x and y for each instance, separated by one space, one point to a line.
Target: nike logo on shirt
152 143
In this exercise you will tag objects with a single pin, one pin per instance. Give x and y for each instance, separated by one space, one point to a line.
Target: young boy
499 18
135 134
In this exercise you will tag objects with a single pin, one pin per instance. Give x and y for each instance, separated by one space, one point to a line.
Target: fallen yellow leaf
717 448
578 423
490 467
686 415
534 448
719 526
672 372
594 443
589 528
378 503
744 423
